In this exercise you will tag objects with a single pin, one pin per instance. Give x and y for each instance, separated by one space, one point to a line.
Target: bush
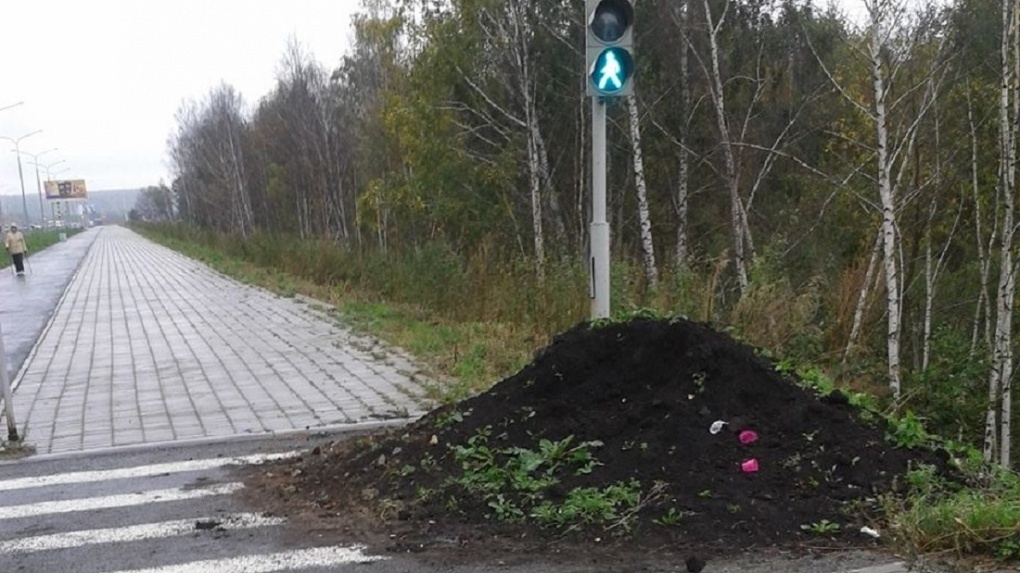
952 393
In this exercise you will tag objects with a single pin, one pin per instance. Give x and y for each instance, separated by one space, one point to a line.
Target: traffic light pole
609 64
599 225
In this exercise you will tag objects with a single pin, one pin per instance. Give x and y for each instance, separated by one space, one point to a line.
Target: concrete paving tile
188 353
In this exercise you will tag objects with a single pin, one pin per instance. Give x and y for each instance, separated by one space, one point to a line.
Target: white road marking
898 567
286 561
136 472
142 532
125 500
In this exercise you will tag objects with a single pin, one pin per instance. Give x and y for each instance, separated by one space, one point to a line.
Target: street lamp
58 204
5 383
38 184
17 149
48 168
49 177
50 173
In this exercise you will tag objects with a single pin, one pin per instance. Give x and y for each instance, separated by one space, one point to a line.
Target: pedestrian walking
15 244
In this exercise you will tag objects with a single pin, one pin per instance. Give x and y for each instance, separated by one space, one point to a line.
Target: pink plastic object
749 466
748 437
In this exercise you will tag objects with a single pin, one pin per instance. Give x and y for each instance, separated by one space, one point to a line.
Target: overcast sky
103 78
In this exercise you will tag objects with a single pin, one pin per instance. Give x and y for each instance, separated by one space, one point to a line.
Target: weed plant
946 518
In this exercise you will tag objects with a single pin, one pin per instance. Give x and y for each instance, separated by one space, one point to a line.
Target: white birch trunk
996 430
984 261
862 297
932 269
1006 420
929 297
536 207
738 220
681 201
647 245
888 203
537 164
555 212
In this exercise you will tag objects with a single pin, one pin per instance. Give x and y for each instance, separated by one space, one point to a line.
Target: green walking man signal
609 47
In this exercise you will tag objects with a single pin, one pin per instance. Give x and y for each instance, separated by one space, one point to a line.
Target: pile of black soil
647 393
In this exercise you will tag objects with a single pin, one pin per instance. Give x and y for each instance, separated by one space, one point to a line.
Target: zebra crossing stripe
137 472
111 501
273 562
73 539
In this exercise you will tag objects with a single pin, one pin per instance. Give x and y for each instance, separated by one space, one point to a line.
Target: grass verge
969 523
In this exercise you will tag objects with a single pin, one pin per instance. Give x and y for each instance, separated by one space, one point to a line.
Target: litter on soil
706 444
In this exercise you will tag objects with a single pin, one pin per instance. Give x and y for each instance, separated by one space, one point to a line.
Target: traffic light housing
609 47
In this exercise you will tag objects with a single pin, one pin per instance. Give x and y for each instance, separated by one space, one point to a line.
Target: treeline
773 145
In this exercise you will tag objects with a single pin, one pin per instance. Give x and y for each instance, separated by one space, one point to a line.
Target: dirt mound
638 402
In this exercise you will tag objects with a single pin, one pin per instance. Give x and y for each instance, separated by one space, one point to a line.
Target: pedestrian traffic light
609 47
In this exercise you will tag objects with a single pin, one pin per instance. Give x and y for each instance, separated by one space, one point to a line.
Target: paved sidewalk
27 302
148 346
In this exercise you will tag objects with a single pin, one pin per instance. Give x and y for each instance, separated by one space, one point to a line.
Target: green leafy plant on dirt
823 527
671 518
624 316
451 417
907 431
814 378
515 483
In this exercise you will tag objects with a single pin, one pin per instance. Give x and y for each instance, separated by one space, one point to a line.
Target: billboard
71 189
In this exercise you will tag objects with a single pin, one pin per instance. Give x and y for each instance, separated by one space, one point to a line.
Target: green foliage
589 505
39 239
671 518
515 482
982 519
907 431
823 527
812 377
952 393
451 417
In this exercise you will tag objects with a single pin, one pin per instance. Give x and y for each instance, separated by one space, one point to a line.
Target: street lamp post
21 176
49 176
5 383
49 169
38 182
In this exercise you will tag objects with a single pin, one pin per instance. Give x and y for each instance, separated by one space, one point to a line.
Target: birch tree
743 245
889 42
509 34
981 328
755 117
998 419
681 18
209 147
644 217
